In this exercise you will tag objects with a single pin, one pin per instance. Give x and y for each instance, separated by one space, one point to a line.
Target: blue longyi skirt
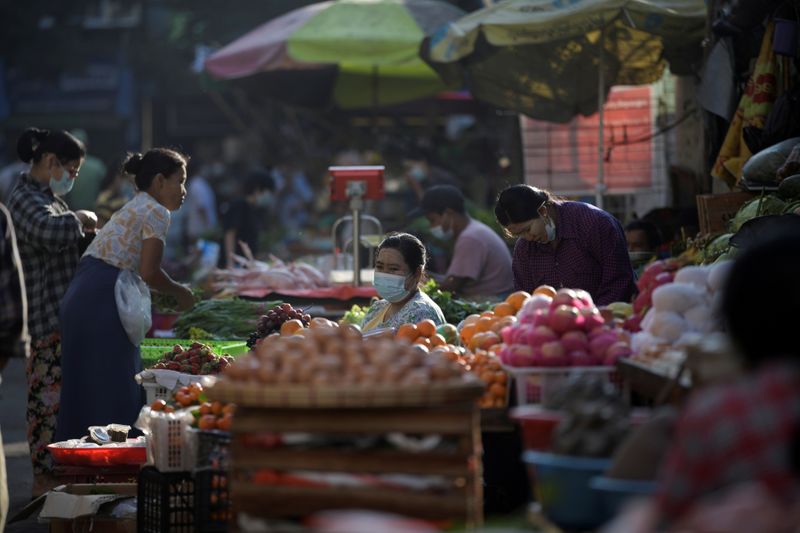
98 361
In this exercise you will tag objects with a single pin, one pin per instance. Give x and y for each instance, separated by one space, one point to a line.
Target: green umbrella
355 53
555 59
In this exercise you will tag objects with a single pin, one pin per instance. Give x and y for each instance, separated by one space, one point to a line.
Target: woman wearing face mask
565 245
49 237
99 359
399 270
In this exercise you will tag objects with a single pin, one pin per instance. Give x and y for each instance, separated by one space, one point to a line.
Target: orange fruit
471 319
216 408
517 299
426 328
230 408
424 341
487 314
484 324
438 340
504 309
205 408
291 326
467 332
225 423
497 390
546 290
158 405
207 422
407 332
319 322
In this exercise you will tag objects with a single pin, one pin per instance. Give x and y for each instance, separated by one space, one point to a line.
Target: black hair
156 161
258 180
35 142
651 231
520 203
759 298
441 197
410 247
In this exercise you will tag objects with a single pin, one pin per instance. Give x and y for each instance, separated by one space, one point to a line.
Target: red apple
541 335
592 319
575 341
535 303
553 354
599 344
564 297
616 351
520 355
564 318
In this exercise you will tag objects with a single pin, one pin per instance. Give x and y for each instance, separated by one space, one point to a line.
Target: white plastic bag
133 305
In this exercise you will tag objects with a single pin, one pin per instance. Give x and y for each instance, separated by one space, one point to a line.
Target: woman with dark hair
49 237
399 271
99 359
565 245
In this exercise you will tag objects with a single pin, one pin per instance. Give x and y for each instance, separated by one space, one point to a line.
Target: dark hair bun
133 164
29 142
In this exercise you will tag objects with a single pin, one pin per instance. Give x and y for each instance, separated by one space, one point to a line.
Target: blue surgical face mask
390 287
550 229
62 186
418 173
264 199
440 233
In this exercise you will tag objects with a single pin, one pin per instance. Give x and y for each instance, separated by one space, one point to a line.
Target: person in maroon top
565 245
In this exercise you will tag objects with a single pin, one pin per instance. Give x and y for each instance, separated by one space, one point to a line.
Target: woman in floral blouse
399 271
99 360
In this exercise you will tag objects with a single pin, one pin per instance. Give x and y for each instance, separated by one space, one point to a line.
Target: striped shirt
591 254
48 234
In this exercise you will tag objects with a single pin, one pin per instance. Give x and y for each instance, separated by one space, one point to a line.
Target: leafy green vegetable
454 309
766 205
223 319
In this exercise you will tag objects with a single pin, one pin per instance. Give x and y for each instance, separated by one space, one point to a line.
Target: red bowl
99 456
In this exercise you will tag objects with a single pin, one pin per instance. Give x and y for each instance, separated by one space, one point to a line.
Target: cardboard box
79 508
715 210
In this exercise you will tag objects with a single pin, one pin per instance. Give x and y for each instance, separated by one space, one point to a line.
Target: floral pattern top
419 307
119 242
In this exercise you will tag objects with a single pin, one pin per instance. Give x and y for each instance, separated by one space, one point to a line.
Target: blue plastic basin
615 492
561 484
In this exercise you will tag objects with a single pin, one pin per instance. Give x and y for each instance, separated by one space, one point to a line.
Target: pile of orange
207 415
422 333
487 367
481 332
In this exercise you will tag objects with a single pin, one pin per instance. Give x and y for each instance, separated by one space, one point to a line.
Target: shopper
244 217
14 341
99 358
49 237
481 263
93 171
565 245
399 271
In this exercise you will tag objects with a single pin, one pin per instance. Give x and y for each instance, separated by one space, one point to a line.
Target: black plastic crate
165 502
213 449
212 497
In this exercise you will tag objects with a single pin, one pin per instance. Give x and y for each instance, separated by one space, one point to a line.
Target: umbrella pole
600 186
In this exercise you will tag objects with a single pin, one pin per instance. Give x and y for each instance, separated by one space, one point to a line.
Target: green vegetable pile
354 316
455 310
223 319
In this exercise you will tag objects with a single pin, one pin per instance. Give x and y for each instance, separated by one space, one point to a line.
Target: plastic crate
213 449
153 391
212 500
534 385
165 502
170 446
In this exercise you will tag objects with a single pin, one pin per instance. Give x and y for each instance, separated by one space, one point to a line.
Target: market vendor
481 263
99 357
49 237
399 271
565 245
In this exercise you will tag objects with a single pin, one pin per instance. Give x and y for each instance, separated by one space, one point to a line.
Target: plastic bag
133 305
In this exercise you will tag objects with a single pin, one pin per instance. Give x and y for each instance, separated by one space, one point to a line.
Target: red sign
563 157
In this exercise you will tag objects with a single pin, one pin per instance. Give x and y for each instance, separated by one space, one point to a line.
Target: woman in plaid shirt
49 236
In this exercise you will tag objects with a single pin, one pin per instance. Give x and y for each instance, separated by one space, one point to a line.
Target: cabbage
768 205
717 247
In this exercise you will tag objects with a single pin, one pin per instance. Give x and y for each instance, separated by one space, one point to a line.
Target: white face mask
390 287
440 233
63 185
550 229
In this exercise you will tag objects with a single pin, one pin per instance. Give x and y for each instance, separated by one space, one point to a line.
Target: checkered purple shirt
592 255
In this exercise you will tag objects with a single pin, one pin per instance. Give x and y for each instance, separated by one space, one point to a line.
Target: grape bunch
272 321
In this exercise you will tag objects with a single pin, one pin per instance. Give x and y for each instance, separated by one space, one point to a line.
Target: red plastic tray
99 456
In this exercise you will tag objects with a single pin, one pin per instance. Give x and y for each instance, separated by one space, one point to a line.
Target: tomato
229 409
183 399
225 423
205 408
207 422
216 408
158 405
